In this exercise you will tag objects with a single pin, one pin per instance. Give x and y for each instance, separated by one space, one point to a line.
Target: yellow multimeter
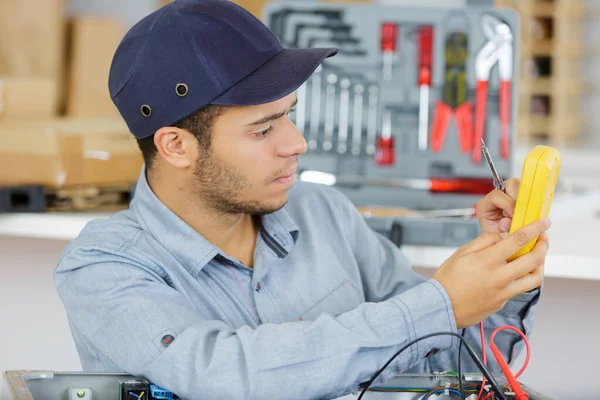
536 190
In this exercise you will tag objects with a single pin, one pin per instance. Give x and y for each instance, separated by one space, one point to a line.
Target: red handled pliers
498 49
454 97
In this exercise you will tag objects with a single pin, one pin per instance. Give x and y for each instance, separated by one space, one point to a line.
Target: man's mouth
286 176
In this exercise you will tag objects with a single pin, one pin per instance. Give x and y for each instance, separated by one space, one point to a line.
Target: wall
33 333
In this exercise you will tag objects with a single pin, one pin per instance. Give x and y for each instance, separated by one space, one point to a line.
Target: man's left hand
495 210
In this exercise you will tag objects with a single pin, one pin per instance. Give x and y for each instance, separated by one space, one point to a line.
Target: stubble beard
220 188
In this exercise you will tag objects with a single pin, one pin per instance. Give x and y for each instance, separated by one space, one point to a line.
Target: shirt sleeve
130 315
386 272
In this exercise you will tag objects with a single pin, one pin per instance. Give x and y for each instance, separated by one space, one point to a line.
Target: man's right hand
478 279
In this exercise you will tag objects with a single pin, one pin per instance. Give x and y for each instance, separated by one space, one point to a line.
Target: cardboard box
27 98
254 6
66 152
32 41
93 41
32 38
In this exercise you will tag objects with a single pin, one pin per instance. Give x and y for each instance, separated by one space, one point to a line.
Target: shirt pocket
344 297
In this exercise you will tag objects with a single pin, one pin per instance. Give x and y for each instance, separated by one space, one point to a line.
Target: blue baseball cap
192 53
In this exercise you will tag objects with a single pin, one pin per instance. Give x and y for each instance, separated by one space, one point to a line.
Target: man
224 279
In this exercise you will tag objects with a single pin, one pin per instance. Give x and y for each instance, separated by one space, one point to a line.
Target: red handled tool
454 98
425 46
389 40
498 49
460 185
385 155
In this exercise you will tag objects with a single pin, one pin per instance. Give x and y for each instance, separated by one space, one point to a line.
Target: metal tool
498 49
315 108
373 212
475 186
342 142
346 47
300 114
289 33
372 119
330 36
357 114
389 40
454 98
425 47
338 31
329 111
498 182
385 155
281 19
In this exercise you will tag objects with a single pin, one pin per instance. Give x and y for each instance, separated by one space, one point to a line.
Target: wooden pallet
549 83
37 198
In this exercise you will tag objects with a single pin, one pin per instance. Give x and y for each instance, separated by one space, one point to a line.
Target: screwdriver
373 212
467 185
389 38
385 156
498 182
425 39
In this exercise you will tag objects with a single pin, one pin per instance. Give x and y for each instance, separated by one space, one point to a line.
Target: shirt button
167 340
257 288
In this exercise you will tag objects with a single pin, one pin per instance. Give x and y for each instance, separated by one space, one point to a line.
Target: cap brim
277 78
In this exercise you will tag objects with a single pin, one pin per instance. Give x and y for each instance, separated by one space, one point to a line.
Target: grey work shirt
327 303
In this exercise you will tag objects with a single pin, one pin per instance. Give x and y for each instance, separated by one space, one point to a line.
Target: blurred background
66 157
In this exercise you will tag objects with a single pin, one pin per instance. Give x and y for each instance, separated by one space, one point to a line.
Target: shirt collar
192 249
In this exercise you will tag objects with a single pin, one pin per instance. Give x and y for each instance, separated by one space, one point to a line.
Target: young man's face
252 158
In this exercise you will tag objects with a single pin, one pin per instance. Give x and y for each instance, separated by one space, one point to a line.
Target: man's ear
176 146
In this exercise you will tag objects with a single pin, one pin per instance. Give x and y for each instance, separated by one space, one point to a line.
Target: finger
519 239
494 201
481 242
527 263
512 187
504 224
528 282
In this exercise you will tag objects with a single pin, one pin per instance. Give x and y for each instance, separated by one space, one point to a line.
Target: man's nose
292 141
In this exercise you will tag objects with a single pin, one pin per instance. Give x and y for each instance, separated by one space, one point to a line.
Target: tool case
366 100
55 385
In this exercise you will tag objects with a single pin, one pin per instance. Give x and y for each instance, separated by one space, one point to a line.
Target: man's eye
263 133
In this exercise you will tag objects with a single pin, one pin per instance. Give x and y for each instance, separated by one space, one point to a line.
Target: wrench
372 119
357 119
329 111
344 111
300 115
315 108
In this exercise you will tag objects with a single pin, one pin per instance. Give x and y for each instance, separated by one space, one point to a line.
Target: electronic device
536 190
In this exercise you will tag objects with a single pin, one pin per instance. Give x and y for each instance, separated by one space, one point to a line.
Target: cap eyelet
181 89
146 110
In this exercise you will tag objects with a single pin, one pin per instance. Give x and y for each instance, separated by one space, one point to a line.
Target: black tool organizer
349 93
